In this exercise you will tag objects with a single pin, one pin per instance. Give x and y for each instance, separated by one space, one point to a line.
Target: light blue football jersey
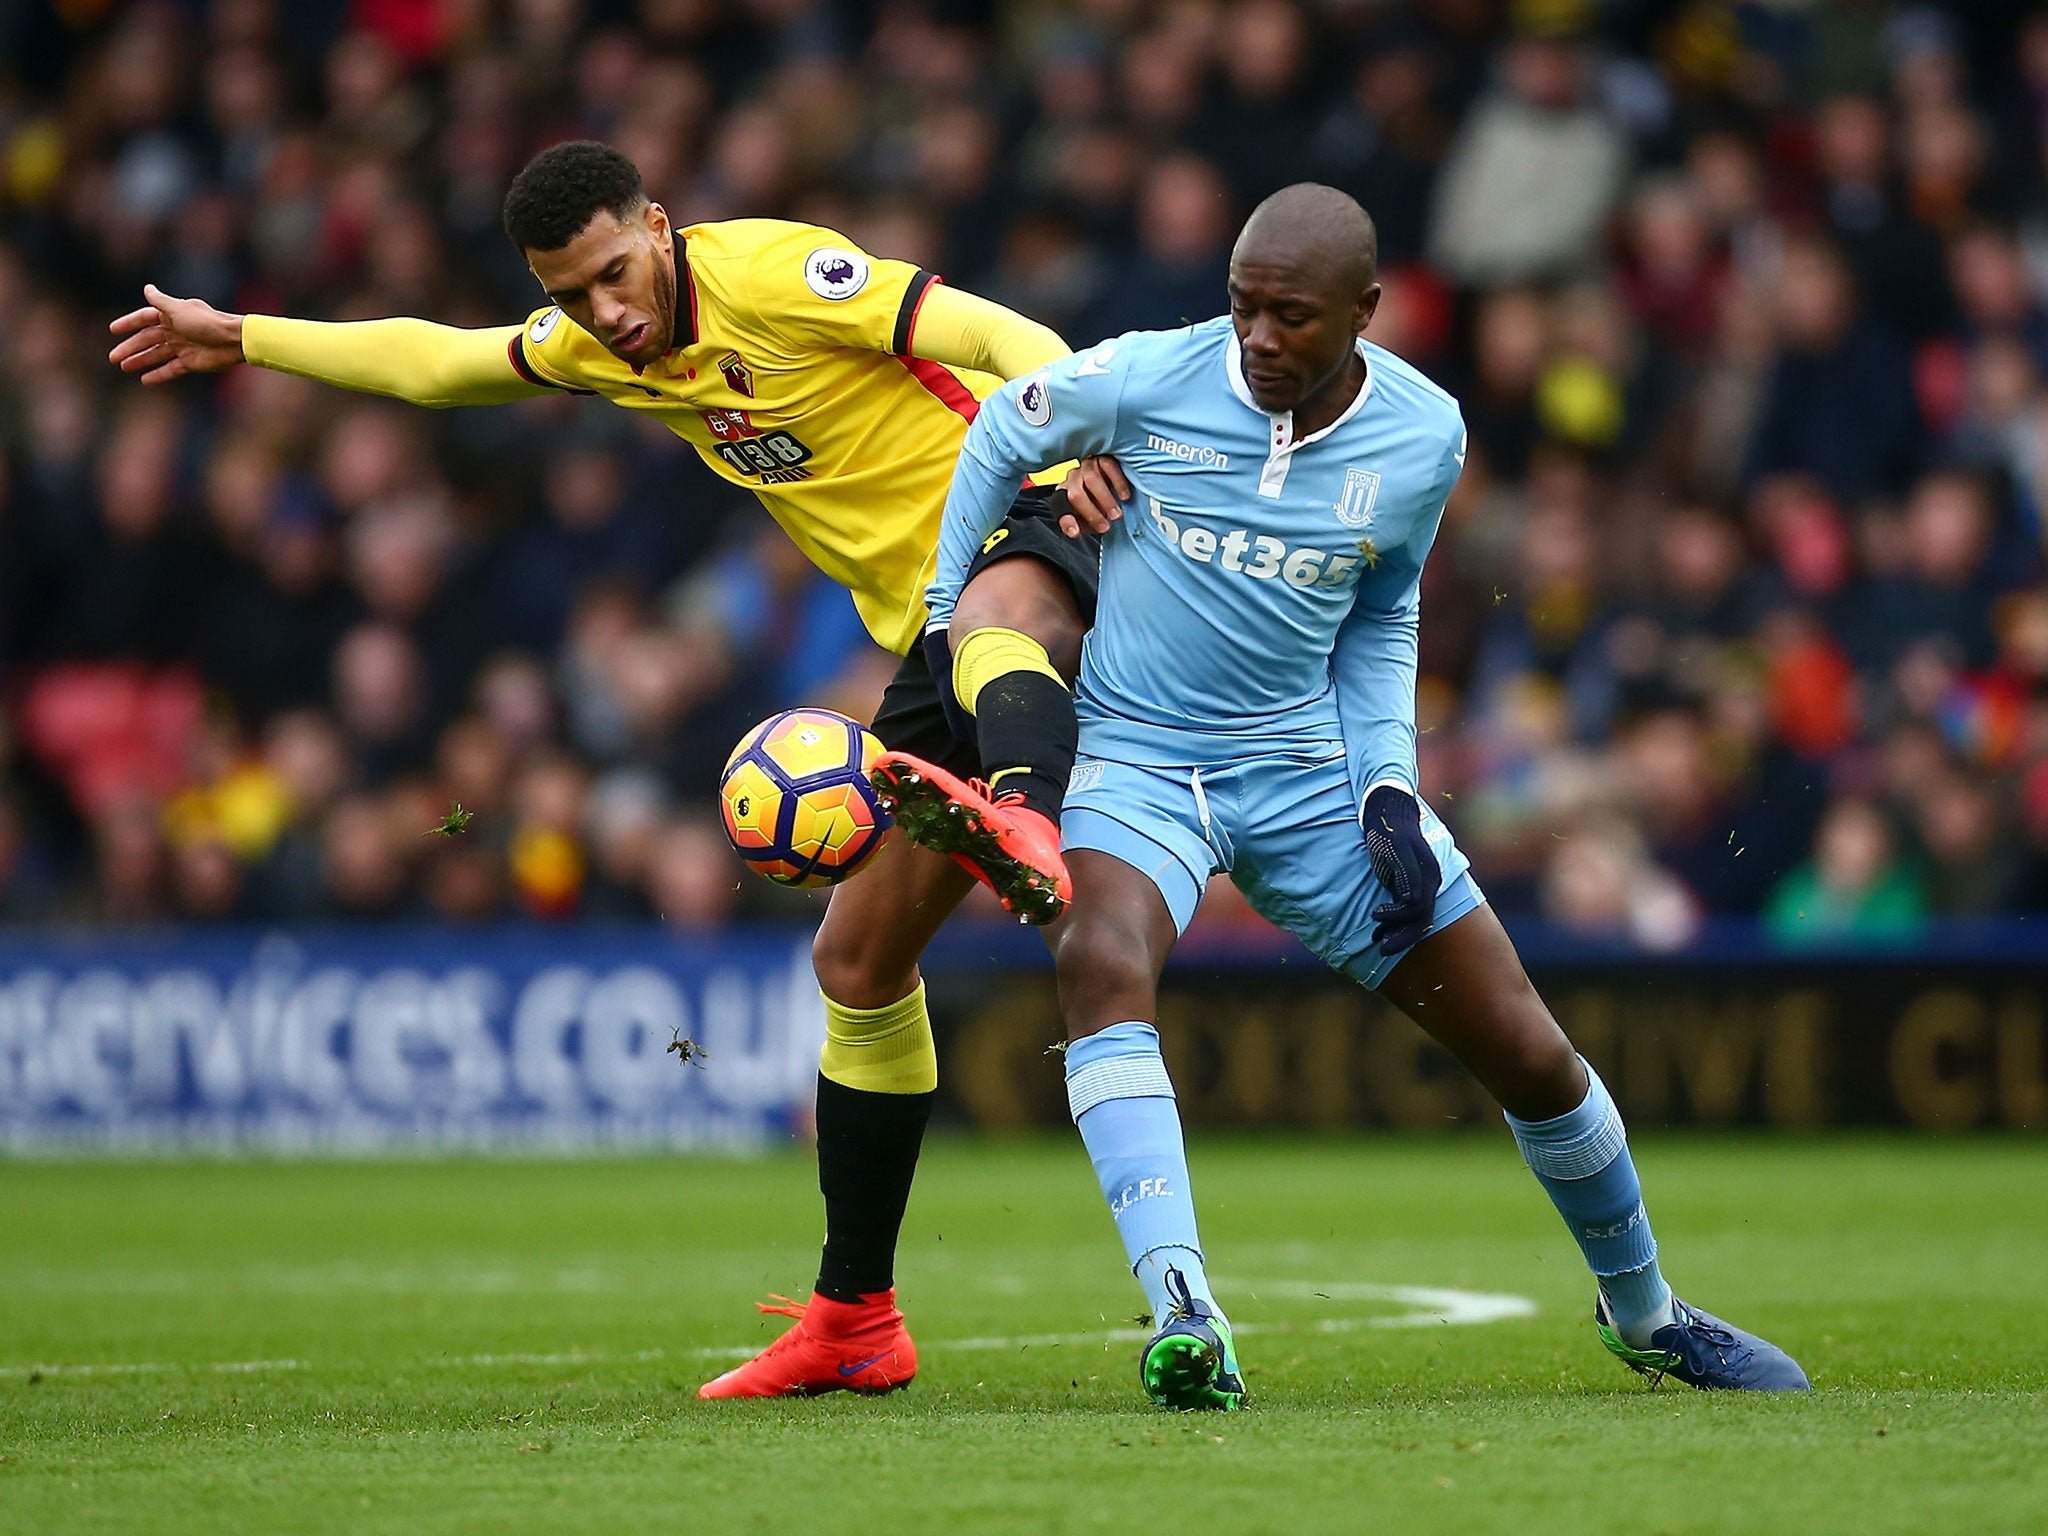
1261 593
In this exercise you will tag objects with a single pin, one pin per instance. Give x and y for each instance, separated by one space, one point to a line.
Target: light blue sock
1123 1102
1581 1160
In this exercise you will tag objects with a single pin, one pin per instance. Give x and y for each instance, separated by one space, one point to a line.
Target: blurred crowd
1740 606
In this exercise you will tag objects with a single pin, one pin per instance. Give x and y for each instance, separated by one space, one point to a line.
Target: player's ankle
828 1315
1640 1302
1027 737
1032 790
845 1296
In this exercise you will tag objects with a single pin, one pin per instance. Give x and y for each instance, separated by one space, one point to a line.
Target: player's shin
1582 1161
1023 713
877 1077
1122 1101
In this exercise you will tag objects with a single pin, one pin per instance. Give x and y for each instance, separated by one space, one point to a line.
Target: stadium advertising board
1949 1036
405 1040
1806 1051
510 1039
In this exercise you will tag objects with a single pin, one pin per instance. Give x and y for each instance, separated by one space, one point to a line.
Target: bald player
1246 706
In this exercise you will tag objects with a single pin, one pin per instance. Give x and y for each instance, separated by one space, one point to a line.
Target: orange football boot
836 1346
1007 846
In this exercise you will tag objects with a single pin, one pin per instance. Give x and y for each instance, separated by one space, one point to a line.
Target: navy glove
1402 859
938 656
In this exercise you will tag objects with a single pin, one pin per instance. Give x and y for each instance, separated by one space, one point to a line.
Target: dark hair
563 188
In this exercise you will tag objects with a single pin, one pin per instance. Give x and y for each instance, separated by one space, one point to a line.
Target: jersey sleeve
1061 412
544 352
964 330
1374 662
412 360
812 287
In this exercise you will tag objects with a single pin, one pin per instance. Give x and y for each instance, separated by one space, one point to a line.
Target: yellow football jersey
791 375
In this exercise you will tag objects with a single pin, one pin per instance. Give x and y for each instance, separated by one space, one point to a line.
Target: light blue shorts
1284 828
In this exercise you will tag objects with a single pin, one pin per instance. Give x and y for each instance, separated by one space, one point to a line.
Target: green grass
511 1346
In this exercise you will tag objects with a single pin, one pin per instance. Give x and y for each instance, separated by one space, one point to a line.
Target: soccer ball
796 797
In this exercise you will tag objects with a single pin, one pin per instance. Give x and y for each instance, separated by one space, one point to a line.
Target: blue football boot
1191 1362
1702 1351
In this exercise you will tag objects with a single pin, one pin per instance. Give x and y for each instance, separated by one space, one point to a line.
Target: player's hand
1094 489
169 338
938 657
1402 860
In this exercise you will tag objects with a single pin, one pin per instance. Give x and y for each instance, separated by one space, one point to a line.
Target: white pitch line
147 1367
1428 1307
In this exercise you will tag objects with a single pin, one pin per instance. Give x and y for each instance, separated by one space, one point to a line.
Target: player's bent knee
858 968
1544 1055
1029 596
1103 978
1056 626
1536 1063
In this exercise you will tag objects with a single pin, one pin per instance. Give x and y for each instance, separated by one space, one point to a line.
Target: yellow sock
881 1050
988 654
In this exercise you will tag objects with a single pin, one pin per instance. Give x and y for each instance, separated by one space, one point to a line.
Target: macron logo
1208 458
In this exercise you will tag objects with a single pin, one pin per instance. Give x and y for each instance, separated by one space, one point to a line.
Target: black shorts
911 718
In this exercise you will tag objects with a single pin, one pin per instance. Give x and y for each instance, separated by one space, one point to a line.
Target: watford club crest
739 378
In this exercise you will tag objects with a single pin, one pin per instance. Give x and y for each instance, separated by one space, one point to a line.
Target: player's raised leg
1465 984
877 1076
1020 625
1009 658
1110 948
878 1070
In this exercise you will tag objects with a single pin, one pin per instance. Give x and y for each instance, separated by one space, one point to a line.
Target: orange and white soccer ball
796 798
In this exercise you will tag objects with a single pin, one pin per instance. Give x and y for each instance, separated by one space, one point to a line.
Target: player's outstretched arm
412 360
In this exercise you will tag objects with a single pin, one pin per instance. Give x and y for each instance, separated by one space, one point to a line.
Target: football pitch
515 1345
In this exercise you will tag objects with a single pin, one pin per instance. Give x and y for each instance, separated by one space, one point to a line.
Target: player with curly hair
837 386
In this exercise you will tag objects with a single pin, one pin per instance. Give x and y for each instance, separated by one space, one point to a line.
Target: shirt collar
1233 363
686 295
687 287
686 311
